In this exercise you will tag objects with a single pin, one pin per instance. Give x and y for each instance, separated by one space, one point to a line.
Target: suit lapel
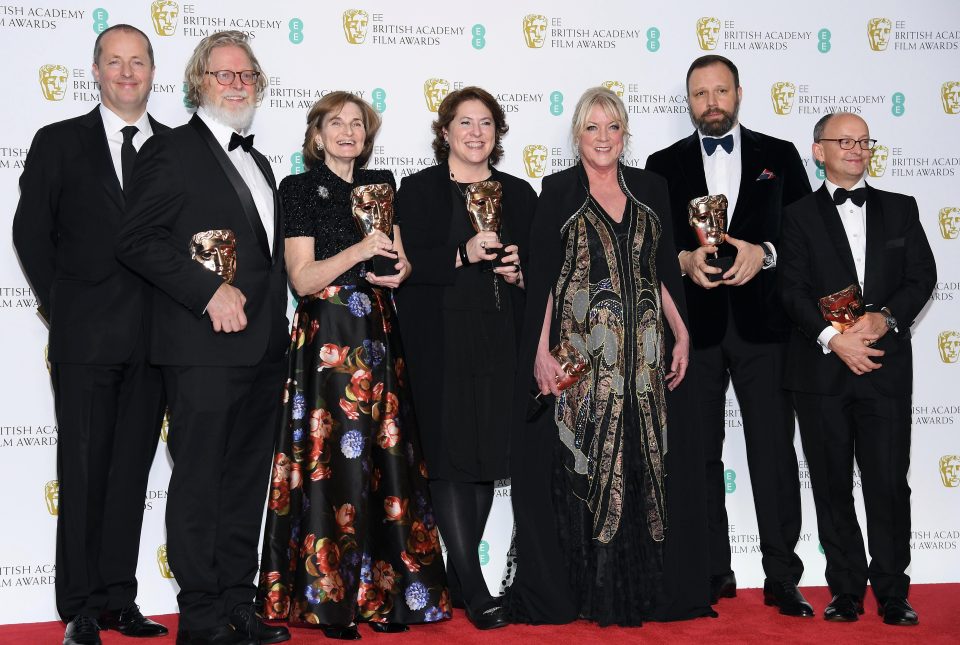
873 269
264 167
240 186
100 156
835 230
751 157
691 164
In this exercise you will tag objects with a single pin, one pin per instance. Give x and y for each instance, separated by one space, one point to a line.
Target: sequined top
317 204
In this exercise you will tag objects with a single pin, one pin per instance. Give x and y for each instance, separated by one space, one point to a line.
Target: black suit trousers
223 424
108 420
860 422
768 428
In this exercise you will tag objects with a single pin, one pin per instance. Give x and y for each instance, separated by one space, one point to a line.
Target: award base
723 263
488 265
383 266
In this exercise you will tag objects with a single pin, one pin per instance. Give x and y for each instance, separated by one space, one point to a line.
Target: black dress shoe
844 608
246 621
897 611
389 628
341 632
130 622
785 595
222 635
722 586
491 616
82 630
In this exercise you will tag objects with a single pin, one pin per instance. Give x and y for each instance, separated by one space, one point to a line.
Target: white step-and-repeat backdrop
894 63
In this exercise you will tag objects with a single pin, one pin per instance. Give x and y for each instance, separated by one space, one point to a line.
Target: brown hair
331 105
196 70
448 110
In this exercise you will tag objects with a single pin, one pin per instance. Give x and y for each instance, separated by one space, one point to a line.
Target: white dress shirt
249 171
113 126
723 170
854 220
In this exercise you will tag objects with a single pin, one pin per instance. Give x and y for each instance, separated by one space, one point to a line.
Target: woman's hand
509 266
377 243
546 371
679 363
478 246
391 281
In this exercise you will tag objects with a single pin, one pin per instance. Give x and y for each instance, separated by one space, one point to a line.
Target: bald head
843 167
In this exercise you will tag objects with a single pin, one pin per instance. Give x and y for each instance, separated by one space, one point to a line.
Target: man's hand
226 309
694 264
870 323
747 264
853 348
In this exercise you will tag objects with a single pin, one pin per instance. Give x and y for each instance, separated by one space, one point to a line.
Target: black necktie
244 142
858 196
128 154
710 144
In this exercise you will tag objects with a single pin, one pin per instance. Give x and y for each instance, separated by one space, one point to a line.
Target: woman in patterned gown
350 535
602 532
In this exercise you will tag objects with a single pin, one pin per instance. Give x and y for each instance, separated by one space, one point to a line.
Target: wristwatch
888 318
767 255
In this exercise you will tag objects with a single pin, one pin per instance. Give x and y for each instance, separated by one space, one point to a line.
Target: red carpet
742 620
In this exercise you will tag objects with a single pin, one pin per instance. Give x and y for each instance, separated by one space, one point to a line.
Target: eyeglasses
226 76
848 144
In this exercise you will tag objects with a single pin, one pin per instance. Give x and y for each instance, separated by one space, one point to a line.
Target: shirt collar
735 131
221 132
832 187
113 124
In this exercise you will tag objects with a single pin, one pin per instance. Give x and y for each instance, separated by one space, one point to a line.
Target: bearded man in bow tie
737 325
852 387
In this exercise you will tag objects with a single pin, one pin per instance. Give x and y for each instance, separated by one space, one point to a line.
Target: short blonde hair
331 105
196 71
611 104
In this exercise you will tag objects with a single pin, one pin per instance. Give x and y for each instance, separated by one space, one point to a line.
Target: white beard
238 119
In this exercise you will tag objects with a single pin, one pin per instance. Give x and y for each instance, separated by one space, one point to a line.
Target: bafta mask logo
53 81
708 32
373 208
534 30
51 495
355 23
164 14
165 426
950 471
707 217
535 160
484 199
949 345
878 33
434 91
782 94
615 86
950 222
878 161
163 563
950 96
216 250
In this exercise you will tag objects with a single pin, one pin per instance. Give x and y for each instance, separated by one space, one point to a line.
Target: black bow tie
244 142
857 196
710 144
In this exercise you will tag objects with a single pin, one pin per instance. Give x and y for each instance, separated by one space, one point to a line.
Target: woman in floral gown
350 535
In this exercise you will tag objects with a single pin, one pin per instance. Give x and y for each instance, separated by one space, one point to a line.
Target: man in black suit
109 400
852 388
737 325
204 226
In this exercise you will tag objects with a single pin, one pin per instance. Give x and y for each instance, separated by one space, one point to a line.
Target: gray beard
717 128
239 120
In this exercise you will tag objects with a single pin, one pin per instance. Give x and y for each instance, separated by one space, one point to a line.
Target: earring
319 146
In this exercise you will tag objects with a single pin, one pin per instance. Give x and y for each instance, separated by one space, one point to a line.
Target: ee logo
296 163
478 32
296 30
100 17
653 39
729 481
556 103
823 41
379 96
897 100
821 171
484 550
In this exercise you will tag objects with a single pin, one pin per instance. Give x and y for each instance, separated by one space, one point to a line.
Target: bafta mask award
484 199
216 250
843 308
373 211
574 366
708 218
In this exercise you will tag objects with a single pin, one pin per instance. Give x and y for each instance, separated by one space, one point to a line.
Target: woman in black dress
350 534
459 321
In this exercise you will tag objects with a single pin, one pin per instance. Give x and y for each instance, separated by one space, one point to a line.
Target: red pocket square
766 174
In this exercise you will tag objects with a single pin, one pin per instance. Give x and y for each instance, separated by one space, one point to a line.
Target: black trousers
860 423
223 424
108 419
768 429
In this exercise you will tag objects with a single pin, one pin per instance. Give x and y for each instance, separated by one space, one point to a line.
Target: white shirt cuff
824 338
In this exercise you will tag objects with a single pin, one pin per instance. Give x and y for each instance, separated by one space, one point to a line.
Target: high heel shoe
389 628
341 632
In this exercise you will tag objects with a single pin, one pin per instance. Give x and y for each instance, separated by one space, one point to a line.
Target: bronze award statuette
574 366
484 200
372 207
843 308
708 218
216 250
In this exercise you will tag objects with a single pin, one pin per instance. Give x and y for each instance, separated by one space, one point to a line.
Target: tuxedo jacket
65 229
771 176
816 260
184 183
